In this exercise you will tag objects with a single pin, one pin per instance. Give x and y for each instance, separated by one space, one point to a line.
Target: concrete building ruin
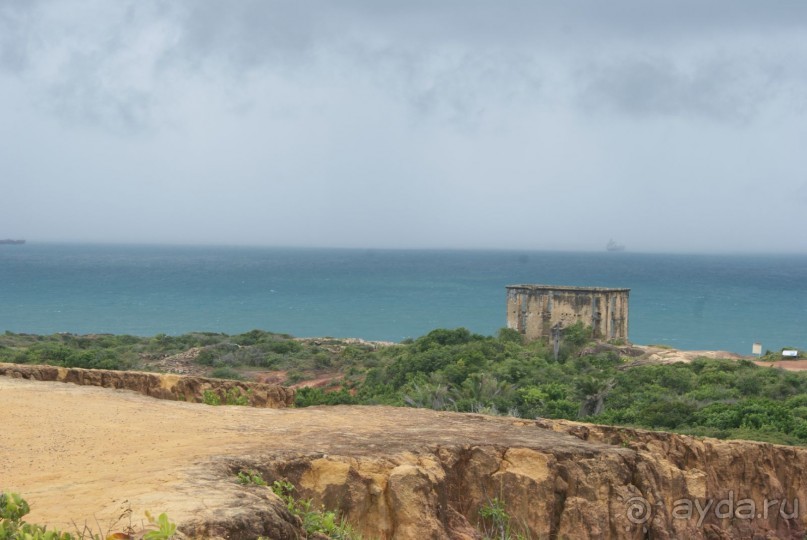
534 309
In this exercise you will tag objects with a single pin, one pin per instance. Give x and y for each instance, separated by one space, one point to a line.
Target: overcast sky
666 125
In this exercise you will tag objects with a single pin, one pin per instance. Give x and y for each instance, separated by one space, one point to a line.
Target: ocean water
685 301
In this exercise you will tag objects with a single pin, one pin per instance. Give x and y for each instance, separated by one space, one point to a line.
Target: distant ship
12 242
613 246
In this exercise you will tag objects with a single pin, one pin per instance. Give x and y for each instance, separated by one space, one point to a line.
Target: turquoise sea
685 301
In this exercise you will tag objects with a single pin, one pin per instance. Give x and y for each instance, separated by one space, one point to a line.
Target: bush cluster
461 371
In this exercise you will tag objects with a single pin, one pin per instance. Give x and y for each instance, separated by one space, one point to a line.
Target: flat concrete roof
565 288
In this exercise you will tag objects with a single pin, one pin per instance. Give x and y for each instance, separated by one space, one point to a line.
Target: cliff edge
159 385
82 452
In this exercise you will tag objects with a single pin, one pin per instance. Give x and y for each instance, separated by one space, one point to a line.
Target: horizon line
509 249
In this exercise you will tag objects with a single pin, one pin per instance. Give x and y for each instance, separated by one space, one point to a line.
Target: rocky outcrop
158 385
618 483
395 473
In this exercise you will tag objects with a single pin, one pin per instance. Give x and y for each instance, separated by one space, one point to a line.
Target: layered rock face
157 385
610 483
395 473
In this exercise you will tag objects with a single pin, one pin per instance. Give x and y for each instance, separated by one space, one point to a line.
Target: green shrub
495 523
285 346
509 335
443 337
209 356
164 529
577 334
315 521
226 373
251 476
233 396
12 526
236 396
209 397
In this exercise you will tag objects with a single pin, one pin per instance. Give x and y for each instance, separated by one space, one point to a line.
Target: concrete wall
534 309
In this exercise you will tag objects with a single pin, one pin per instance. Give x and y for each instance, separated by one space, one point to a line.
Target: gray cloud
458 123
248 35
450 59
719 88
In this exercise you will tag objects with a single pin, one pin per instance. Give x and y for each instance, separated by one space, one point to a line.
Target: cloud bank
526 125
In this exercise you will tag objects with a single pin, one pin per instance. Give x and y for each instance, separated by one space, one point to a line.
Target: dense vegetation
461 371
226 356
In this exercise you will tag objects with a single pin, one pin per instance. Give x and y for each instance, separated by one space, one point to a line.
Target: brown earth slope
80 453
160 385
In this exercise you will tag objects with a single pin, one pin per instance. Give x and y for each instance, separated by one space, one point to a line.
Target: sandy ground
75 451
79 453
